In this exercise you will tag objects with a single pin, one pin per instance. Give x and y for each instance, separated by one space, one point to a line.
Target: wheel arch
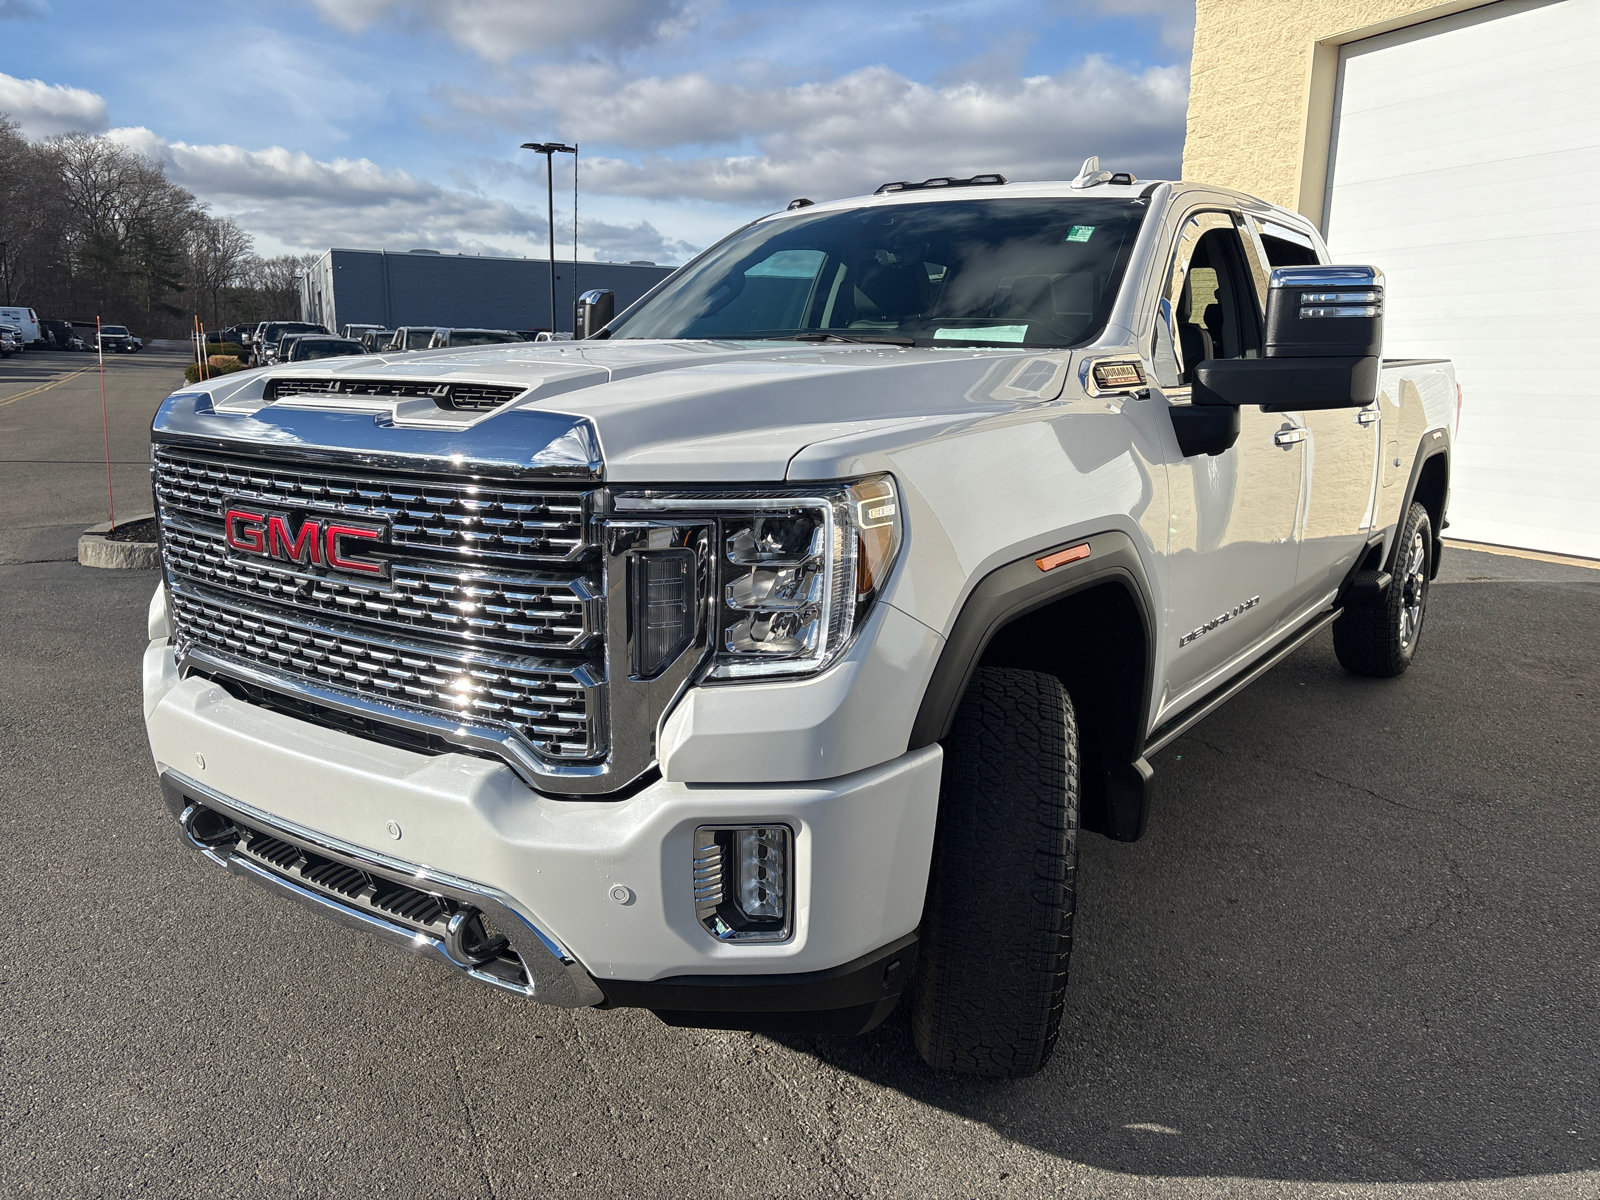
1020 615
1429 486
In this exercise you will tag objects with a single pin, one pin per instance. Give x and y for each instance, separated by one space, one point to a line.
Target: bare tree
91 227
219 258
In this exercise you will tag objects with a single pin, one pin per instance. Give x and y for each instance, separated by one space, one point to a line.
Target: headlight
795 572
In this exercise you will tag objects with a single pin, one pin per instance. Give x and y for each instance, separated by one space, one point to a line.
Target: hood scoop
453 397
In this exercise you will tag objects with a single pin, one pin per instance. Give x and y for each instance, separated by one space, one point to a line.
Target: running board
1183 722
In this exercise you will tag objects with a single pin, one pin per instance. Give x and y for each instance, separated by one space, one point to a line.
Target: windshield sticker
991 333
1080 233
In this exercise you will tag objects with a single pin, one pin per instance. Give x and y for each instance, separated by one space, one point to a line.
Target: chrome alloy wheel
1414 590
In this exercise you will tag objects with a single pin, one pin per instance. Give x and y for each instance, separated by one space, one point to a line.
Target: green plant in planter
191 373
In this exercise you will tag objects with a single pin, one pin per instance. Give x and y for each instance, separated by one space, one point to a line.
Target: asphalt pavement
1355 955
54 439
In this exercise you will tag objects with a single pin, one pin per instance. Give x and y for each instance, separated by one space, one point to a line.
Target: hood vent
460 397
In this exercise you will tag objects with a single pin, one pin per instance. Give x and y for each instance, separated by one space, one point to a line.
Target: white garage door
1466 165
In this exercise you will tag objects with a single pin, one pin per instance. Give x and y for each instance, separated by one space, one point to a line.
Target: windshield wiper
819 335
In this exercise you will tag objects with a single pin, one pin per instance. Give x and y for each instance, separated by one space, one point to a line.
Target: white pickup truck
758 659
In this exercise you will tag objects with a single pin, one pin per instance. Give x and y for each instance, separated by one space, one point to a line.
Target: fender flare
1434 443
1011 592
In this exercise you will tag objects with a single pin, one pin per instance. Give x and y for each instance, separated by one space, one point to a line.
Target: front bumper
558 867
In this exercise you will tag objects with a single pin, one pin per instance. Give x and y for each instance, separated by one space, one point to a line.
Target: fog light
743 881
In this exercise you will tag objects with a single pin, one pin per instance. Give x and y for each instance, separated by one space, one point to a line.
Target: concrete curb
97 550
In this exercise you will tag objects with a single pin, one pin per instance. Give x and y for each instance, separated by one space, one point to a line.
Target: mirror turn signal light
1060 558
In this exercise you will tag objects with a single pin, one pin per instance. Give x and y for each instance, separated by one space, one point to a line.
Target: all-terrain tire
1380 637
997 931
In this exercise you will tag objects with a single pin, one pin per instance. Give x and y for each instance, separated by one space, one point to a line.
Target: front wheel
997 931
1379 638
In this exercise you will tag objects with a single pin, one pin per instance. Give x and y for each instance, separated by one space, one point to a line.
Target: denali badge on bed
318 542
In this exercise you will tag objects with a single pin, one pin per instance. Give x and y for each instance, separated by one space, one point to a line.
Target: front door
1232 547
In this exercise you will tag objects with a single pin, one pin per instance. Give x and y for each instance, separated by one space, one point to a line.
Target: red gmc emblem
331 542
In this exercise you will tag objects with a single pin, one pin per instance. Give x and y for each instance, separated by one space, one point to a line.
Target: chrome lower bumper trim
555 977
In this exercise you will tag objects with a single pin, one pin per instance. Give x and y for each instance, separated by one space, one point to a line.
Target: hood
676 411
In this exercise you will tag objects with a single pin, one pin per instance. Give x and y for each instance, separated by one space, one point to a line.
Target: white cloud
43 109
847 135
499 30
293 201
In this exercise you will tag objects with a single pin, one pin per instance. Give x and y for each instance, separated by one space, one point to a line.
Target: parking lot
1357 955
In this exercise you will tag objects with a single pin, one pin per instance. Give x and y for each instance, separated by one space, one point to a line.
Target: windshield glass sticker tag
982 333
1222 620
1080 233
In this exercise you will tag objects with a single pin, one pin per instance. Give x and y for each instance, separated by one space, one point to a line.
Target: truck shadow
1359 941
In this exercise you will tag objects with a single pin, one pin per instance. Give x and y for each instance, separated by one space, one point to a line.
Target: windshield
279 328
119 330
324 349
481 337
987 272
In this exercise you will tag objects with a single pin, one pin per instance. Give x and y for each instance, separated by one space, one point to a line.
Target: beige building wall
1262 89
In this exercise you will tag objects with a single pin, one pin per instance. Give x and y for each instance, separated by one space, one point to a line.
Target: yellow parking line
45 387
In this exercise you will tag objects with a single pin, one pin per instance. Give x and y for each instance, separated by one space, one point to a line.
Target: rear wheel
997 932
1379 638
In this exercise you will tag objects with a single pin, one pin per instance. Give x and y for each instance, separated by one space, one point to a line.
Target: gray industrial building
424 287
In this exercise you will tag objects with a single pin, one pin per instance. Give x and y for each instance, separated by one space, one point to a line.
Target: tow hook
470 941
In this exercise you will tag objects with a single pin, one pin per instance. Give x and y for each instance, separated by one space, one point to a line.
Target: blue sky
394 123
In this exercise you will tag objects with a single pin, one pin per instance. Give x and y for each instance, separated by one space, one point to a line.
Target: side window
1286 247
1210 309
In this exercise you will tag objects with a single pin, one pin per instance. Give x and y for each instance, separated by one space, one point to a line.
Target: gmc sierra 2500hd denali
758 659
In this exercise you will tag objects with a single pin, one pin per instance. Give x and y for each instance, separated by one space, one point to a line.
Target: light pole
550 150
5 274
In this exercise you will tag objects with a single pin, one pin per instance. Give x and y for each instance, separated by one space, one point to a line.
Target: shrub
191 373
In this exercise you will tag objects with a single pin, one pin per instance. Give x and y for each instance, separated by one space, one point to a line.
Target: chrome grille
470 397
517 609
550 705
492 519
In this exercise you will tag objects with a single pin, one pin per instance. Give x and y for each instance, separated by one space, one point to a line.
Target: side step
1190 717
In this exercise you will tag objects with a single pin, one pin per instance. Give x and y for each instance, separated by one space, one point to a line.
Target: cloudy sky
394 123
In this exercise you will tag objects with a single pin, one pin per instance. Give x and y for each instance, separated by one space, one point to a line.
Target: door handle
1288 437
1367 416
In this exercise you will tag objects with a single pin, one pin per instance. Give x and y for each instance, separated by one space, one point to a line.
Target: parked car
850 577
272 332
411 337
446 338
26 322
10 340
545 335
311 345
117 338
355 332
58 335
376 341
